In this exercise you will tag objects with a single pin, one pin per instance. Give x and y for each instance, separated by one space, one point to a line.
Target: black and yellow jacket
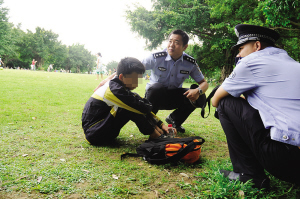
112 96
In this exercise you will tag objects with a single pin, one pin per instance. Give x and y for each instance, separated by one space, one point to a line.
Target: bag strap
176 157
208 102
130 155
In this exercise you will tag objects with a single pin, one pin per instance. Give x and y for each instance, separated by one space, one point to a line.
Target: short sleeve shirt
269 79
171 73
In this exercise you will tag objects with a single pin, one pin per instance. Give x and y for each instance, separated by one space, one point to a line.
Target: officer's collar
169 58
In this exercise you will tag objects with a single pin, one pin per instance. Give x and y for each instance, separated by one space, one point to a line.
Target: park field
44 154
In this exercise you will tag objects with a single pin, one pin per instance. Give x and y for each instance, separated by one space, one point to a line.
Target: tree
211 22
192 16
79 59
112 65
282 14
41 46
4 28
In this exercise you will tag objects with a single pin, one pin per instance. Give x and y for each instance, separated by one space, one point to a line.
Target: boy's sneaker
179 128
259 183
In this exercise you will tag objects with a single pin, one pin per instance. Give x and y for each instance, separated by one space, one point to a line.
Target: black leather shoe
259 182
179 128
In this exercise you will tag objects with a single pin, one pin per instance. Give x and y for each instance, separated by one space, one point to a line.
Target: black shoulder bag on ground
169 150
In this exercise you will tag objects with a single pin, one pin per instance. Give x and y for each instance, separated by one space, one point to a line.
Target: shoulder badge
159 54
189 59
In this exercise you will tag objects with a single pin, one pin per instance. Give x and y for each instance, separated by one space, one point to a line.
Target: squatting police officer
263 127
169 69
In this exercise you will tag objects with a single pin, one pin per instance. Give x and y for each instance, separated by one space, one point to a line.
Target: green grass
44 154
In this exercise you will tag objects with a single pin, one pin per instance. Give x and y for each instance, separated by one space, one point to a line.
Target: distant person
33 64
1 62
113 105
50 67
259 110
99 67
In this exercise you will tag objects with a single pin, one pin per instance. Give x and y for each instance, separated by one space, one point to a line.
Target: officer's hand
192 94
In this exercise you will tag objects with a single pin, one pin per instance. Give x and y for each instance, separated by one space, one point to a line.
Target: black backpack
169 150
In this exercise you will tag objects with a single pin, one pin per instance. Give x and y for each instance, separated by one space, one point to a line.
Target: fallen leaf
22 177
85 170
141 164
63 160
115 177
24 155
156 194
39 179
34 118
184 175
241 194
131 136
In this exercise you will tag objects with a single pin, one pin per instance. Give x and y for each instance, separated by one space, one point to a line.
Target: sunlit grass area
44 154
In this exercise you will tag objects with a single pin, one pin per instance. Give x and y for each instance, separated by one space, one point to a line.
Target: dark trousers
162 98
250 146
106 130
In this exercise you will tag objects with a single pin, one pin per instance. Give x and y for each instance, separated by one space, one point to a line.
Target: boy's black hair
185 37
99 54
129 65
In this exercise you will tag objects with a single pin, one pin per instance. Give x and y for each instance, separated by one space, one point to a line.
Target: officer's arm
203 85
193 94
220 93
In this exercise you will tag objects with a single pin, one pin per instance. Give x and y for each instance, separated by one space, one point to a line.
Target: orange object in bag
191 157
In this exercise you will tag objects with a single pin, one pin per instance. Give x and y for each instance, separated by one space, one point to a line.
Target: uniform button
285 137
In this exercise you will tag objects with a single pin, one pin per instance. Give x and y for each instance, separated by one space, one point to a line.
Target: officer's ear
258 46
185 47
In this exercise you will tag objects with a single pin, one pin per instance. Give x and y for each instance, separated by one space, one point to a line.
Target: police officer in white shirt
169 69
263 126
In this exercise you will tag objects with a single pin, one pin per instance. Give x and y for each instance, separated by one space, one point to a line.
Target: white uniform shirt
270 80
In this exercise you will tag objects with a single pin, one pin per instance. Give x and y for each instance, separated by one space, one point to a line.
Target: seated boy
113 105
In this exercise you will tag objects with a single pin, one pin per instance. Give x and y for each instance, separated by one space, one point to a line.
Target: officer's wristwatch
200 91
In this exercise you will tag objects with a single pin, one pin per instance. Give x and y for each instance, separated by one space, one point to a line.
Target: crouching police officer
263 127
169 69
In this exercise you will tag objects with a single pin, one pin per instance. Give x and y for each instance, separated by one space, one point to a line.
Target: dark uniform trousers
107 129
250 147
163 98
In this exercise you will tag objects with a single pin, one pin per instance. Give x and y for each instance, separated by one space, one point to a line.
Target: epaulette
159 54
189 59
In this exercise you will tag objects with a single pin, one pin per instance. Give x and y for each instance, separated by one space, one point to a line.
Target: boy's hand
159 130
166 129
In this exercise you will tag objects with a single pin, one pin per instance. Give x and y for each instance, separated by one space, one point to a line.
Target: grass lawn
44 154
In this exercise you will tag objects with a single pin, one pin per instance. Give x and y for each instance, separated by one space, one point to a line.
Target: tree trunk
228 67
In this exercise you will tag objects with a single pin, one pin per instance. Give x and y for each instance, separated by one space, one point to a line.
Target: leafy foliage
112 65
18 48
211 24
